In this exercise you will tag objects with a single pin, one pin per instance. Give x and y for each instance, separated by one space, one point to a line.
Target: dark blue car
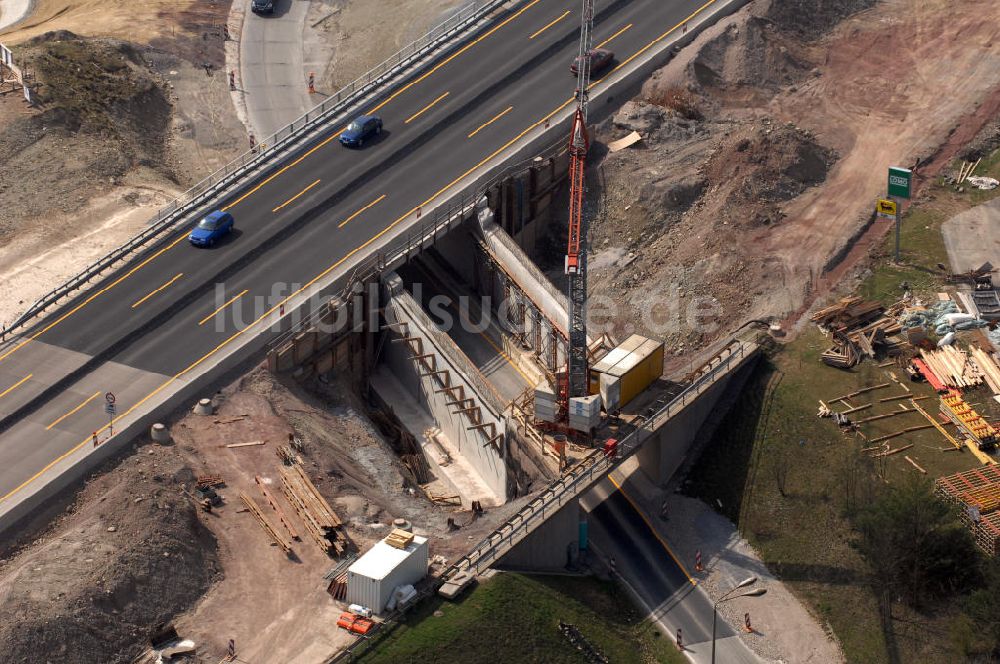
362 129
211 229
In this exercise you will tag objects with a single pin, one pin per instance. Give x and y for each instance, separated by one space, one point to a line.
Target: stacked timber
843 354
953 367
988 366
968 420
399 538
271 531
322 523
849 313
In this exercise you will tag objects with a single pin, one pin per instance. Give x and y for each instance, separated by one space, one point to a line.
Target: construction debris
627 141
252 444
914 464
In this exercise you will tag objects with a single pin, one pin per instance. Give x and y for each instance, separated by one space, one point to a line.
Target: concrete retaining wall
489 460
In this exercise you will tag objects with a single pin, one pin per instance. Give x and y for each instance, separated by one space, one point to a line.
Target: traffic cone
697 561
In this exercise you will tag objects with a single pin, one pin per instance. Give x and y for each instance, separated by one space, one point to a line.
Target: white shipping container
382 569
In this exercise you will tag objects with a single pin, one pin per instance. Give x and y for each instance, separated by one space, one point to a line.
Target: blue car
362 129
211 229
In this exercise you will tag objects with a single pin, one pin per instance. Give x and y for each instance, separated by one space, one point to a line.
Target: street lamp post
756 592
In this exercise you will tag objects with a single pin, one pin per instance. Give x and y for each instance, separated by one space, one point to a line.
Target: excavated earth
764 145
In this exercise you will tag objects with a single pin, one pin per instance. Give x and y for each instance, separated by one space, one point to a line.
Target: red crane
576 248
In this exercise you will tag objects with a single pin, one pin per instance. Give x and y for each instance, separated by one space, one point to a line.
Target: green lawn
791 480
514 618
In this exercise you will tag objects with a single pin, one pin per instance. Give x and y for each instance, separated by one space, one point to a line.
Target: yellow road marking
418 113
654 42
608 40
93 297
421 78
662 541
504 355
483 334
495 118
292 199
345 221
337 264
387 100
228 302
63 417
549 25
157 290
14 386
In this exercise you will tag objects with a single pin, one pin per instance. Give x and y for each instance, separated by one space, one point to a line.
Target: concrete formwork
523 202
434 371
523 296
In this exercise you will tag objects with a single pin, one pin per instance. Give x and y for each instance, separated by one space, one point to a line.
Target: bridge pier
554 548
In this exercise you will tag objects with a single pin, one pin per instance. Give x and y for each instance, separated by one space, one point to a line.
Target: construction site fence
594 467
270 149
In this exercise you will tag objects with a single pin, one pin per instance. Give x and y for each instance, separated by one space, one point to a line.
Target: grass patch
793 481
515 618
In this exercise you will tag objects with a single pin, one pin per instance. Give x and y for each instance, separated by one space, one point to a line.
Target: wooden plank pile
322 523
988 366
849 313
276 507
210 482
399 538
844 354
968 420
860 329
952 367
264 523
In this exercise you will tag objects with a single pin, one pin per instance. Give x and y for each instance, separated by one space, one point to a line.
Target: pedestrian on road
680 642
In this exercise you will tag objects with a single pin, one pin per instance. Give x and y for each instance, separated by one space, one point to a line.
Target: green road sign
899 182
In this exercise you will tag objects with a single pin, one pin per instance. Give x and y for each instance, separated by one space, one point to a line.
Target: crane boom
576 249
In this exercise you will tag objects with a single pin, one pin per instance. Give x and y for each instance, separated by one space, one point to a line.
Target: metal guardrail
590 469
270 147
425 233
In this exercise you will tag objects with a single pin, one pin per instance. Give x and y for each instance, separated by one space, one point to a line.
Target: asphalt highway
174 308
646 563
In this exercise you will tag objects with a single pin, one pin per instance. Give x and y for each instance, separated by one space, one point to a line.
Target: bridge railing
424 233
592 468
266 152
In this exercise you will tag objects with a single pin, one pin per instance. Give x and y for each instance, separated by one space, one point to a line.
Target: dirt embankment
764 146
102 114
132 551
128 554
